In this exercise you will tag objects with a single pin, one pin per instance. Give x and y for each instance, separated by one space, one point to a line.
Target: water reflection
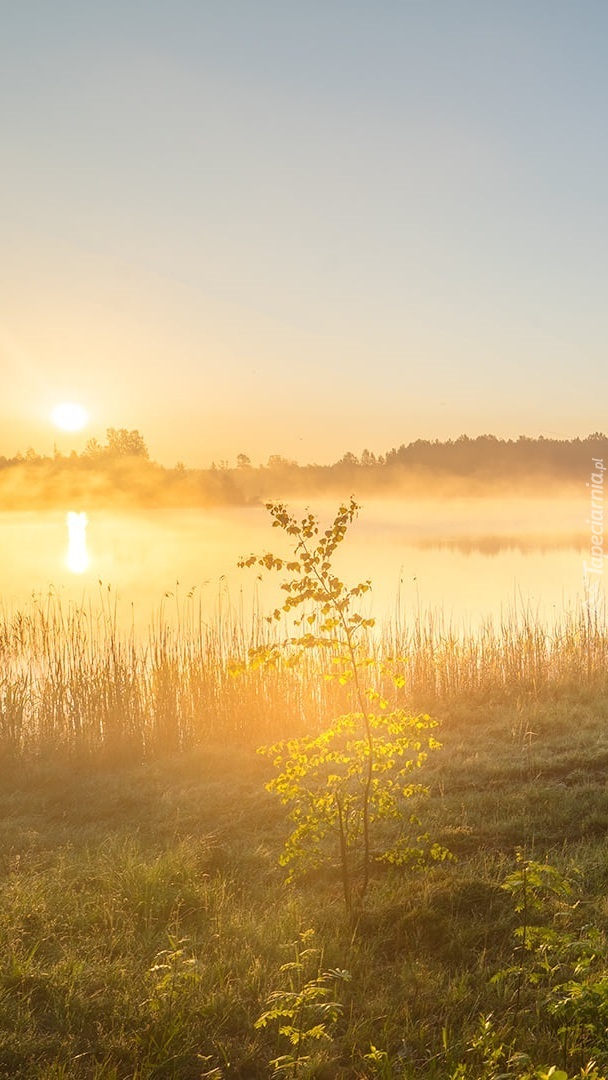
491 545
77 558
469 561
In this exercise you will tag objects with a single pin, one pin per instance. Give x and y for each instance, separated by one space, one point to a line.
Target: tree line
122 466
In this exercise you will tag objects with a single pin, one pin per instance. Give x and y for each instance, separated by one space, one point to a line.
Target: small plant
494 1060
357 774
307 1009
562 960
540 947
174 973
379 1063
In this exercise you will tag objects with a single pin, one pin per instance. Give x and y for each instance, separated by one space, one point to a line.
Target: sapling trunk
346 876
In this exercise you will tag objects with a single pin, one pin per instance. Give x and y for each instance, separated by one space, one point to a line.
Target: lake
472 558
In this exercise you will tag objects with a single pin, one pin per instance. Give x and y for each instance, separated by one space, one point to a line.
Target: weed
307 1009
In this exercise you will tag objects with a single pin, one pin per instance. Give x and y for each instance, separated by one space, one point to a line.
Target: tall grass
519 656
72 679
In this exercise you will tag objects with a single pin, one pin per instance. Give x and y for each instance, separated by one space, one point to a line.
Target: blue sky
302 228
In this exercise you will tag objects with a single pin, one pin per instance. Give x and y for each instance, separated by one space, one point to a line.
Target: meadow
146 923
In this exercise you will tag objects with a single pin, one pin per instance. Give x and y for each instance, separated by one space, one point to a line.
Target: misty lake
471 558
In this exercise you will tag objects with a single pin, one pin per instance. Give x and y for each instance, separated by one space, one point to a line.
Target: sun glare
69 416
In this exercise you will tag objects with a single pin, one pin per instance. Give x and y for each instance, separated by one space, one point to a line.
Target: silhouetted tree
368 459
93 449
123 443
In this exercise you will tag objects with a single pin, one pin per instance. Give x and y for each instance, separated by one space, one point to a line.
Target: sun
69 416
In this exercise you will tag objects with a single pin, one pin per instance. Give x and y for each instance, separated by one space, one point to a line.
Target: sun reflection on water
77 558
469 562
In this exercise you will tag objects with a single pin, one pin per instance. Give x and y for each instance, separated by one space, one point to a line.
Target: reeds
72 680
518 657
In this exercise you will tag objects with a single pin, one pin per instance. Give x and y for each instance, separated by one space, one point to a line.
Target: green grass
145 924
144 920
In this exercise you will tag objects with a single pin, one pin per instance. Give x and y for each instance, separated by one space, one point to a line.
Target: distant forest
120 471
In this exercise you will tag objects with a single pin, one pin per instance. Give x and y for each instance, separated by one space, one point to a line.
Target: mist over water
470 559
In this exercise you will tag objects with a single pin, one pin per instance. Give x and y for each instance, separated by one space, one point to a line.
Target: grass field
146 926
145 922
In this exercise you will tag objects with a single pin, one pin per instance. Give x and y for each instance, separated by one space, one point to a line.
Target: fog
466 556
471 528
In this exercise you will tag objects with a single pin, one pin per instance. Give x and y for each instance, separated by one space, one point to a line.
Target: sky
302 228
